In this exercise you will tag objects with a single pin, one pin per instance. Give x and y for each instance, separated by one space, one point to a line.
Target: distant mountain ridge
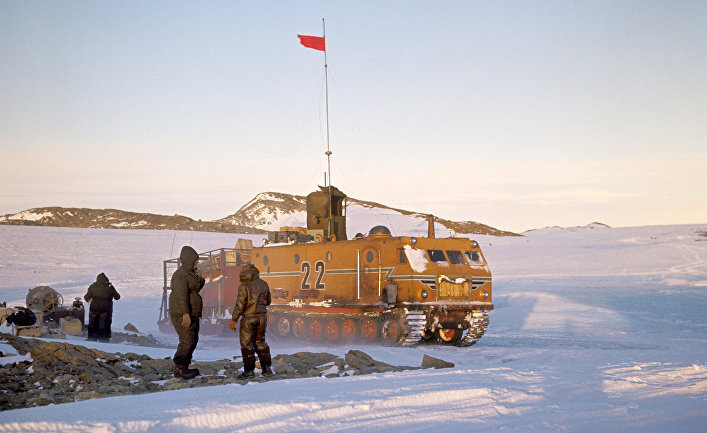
266 211
591 226
115 219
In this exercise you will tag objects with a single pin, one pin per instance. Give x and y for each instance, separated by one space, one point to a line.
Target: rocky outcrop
137 339
59 372
430 362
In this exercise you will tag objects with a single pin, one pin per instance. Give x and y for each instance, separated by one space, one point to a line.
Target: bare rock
130 327
155 366
137 339
61 372
364 364
431 362
300 363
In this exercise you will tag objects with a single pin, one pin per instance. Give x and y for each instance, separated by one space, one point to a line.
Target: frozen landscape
595 329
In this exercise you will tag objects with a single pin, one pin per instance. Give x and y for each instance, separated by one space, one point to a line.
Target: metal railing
209 262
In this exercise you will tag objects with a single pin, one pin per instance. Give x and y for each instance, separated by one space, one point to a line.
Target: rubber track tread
477 328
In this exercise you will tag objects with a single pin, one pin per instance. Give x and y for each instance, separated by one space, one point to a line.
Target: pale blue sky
516 114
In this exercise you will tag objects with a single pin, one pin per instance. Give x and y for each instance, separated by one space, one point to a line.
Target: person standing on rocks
252 302
100 296
185 306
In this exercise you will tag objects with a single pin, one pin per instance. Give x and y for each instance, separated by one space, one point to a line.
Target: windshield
436 256
455 257
474 257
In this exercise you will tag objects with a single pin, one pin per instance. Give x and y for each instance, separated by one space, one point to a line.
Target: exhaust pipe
430 226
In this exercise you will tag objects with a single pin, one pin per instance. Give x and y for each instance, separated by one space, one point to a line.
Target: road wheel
427 336
369 330
348 330
391 331
299 328
449 335
283 327
316 330
331 331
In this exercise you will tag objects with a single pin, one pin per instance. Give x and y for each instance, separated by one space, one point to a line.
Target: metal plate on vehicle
452 290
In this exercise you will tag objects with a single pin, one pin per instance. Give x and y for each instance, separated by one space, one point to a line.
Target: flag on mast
316 42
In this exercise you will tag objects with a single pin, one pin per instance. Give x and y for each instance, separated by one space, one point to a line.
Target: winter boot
246 374
248 364
265 361
179 371
183 372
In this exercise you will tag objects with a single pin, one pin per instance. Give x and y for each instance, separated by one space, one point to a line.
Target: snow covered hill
272 210
266 211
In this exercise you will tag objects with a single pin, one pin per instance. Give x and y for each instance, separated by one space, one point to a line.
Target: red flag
315 42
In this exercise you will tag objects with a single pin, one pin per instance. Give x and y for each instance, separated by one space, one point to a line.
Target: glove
232 325
186 320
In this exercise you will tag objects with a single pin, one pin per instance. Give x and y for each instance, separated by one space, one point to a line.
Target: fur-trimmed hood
249 273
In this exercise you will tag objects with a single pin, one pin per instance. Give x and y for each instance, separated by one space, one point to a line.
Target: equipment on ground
50 302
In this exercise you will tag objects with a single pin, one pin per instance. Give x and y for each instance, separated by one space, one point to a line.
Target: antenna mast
328 151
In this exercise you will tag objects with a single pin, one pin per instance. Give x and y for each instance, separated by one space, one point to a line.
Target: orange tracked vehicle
375 288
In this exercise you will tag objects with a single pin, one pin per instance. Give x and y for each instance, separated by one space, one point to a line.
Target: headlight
413 241
424 294
485 294
474 244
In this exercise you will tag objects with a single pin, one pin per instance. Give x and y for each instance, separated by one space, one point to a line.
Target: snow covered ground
595 330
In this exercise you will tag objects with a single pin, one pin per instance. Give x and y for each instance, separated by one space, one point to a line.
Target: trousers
252 332
188 337
99 323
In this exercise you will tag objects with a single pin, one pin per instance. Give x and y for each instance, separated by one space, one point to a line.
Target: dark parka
185 299
253 294
100 315
101 294
186 285
252 302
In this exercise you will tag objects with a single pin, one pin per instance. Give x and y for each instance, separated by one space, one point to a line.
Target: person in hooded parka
100 296
251 304
185 305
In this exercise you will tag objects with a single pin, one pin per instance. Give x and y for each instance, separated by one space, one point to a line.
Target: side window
455 257
403 260
474 257
436 256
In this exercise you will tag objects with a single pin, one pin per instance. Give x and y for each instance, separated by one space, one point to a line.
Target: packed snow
594 330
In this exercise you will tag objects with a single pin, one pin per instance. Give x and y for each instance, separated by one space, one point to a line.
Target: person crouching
251 305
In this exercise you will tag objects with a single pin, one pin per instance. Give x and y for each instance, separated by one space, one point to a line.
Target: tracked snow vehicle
397 290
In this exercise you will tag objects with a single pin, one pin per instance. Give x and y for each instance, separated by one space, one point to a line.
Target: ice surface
594 330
